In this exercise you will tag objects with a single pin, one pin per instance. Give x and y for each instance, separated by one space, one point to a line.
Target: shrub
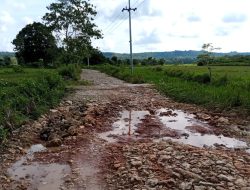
17 69
137 79
70 72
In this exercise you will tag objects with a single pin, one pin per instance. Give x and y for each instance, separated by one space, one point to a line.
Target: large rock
55 142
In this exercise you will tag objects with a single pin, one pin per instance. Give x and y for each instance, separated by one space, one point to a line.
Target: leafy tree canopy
72 21
35 42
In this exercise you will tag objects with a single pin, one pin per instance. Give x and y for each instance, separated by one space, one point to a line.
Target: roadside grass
228 89
26 93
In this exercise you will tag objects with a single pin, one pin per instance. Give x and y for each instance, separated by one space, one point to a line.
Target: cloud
6 18
193 18
27 20
146 9
19 6
232 18
182 36
3 28
222 32
151 38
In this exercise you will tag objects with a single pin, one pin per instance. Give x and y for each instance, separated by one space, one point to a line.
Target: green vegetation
70 72
35 45
25 94
229 87
73 23
185 57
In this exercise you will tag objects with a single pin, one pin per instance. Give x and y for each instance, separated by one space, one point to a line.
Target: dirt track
115 135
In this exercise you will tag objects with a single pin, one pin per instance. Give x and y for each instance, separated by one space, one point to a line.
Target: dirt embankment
114 135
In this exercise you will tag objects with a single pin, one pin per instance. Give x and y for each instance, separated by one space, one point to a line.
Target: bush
70 72
137 79
17 69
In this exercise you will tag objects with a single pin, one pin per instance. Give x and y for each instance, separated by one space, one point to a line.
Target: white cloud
27 20
19 6
231 18
3 28
182 25
6 18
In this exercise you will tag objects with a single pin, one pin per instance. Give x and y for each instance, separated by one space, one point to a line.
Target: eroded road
115 135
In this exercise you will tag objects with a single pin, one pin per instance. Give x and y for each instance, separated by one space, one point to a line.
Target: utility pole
129 9
88 60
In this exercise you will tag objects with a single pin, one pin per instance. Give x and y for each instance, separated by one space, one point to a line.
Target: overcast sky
157 25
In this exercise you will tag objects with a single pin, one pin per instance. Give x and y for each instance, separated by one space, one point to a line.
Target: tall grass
26 95
229 87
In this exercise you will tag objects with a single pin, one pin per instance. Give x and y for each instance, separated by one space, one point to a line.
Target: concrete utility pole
129 9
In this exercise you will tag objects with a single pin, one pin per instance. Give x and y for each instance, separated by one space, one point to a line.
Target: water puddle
191 130
89 174
125 126
40 176
195 132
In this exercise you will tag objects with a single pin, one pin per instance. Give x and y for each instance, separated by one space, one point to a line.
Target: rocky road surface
115 135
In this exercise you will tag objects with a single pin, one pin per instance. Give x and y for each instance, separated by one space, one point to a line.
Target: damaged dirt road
115 135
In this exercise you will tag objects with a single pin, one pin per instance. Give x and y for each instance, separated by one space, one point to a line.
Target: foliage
18 69
72 21
70 72
34 42
96 57
26 95
206 57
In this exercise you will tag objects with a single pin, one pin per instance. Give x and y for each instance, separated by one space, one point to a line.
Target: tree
114 59
161 61
72 21
206 58
7 60
35 42
97 57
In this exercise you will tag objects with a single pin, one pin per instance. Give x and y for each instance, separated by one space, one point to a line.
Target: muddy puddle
125 126
195 132
39 176
191 130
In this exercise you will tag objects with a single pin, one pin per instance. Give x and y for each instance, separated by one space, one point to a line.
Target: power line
117 17
117 25
141 4
114 25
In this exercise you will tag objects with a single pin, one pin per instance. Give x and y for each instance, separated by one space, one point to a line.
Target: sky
157 25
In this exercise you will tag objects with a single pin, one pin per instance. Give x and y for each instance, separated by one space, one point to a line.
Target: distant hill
5 53
177 54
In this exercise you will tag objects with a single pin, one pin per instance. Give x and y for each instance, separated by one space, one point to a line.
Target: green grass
229 87
25 94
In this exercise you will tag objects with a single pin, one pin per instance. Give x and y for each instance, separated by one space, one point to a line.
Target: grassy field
25 94
228 88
